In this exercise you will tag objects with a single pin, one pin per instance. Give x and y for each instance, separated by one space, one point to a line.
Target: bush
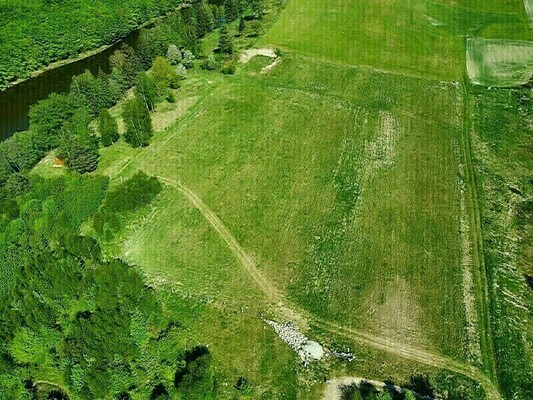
229 68
188 58
210 64
174 55
164 74
255 28
170 97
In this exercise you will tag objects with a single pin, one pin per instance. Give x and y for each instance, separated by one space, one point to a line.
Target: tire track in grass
480 273
288 311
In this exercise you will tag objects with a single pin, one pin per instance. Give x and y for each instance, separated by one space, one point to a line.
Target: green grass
342 173
306 194
504 155
499 62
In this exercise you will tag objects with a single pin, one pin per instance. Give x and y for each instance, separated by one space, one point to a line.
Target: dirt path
333 387
478 259
292 313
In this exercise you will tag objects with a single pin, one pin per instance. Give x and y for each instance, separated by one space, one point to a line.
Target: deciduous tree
138 123
108 128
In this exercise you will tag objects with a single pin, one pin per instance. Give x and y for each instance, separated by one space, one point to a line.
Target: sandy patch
247 55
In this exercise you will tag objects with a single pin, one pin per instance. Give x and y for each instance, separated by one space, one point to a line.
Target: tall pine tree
231 9
225 42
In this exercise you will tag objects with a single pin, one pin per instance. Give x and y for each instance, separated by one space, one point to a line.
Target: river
15 102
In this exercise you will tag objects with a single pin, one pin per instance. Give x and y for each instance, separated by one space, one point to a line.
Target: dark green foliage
81 153
135 193
95 92
204 18
255 28
210 63
218 15
108 128
242 26
47 118
78 144
138 123
60 30
145 90
225 42
231 9
257 7
229 67
127 62
16 185
82 246
20 152
195 380
5 168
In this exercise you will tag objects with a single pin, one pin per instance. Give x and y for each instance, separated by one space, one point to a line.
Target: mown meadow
373 186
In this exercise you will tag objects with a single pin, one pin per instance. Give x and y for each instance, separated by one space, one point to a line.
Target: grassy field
345 173
307 202
499 62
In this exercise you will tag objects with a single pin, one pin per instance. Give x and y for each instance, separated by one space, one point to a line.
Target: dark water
15 102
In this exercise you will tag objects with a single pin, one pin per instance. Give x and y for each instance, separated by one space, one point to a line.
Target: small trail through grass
303 319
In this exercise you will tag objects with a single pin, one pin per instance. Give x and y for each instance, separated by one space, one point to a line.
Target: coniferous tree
138 123
225 42
144 49
108 128
231 9
242 26
204 18
257 8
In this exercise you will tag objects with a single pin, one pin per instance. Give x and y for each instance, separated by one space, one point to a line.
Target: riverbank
90 53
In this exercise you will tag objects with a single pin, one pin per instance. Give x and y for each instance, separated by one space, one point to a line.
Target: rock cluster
308 350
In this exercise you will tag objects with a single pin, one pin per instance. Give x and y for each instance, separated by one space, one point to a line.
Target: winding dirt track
289 311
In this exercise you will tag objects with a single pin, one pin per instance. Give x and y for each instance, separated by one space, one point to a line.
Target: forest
73 322
35 33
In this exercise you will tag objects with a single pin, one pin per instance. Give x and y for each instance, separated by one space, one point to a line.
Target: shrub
210 63
174 54
229 67
255 28
170 97
164 74
188 58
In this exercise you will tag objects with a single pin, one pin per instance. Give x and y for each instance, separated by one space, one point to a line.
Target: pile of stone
308 350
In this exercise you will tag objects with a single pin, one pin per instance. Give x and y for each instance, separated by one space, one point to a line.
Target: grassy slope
308 165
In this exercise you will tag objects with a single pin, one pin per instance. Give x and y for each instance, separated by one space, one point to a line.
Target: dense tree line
37 32
67 315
